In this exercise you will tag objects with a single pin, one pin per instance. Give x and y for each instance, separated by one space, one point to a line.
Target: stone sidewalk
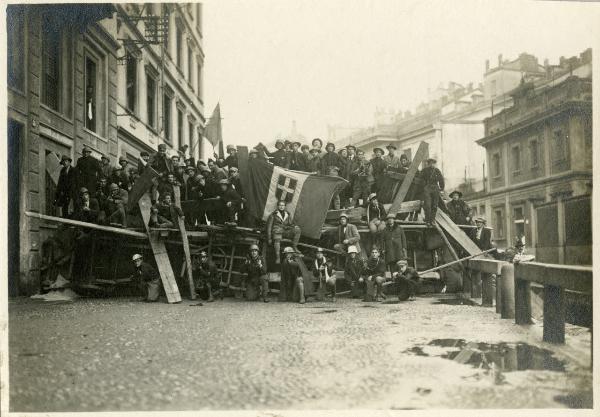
121 354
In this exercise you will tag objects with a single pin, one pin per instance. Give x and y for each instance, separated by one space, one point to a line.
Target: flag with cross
307 196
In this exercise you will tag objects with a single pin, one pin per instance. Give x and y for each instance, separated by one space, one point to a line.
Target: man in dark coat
120 175
255 271
281 225
88 209
374 272
481 235
459 211
143 162
279 157
115 205
67 183
379 166
296 158
406 281
169 211
291 278
206 275
105 166
167 186
161 162
353 272
394 242
433 182
147 278
231 201
232 158
314 161
88 170
331 159
323 270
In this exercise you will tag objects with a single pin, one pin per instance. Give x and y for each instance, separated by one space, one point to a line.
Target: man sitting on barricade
280 225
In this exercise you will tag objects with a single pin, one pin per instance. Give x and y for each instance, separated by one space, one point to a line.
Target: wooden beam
410 176
94 226
569 277
187 256
141 185
160 254
456 232
53 166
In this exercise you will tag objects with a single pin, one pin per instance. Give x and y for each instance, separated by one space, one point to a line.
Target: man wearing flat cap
433 184
67 183
406 281
459 211
88 170
392 161
481 235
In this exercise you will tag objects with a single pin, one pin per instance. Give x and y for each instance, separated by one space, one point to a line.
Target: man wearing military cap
65 188
433 181
254 270
115 205
458 210
147 278
232 158
105 166
88 170
120 176
207 277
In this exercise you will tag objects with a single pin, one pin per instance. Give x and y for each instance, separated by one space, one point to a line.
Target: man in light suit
347 235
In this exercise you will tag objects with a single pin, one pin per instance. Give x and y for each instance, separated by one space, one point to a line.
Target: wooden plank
160 254
142 184
569 277
177 195
188 257
450 248
307 277
53 166
86 225
410 176
456 232
489 266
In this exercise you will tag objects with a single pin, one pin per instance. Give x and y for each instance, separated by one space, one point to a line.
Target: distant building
539 158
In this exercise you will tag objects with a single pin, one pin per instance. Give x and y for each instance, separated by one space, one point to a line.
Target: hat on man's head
390 216
329 144
279 141
224 182
480 219
455 192
431 161
344 215
162 147
319 250
103 156
314 150
350 147
144 153
402 262
378 149
136 257
230 147
297 143
113 187
352 249
289 249
252 151
65 158
316 140
86 149
392 146
372 196
83 190
123 159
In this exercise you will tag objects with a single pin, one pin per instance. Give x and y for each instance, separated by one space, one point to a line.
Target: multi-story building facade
100 75
450 122
539 154
160 77
62 95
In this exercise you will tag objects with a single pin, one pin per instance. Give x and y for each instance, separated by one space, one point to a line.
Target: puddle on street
456 302
503 357
324 311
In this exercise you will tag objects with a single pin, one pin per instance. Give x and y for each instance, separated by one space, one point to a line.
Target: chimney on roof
487 65
500 60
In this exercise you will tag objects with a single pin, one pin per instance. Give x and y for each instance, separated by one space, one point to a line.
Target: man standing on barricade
433 185
394 242
291 278
459 211
281 225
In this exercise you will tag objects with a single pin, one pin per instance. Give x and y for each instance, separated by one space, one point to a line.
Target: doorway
15 137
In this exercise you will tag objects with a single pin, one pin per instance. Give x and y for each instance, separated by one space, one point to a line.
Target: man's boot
265 290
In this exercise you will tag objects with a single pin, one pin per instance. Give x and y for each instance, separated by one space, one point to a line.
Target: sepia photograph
271 207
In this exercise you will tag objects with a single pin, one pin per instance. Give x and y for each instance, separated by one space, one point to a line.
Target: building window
519 221
180 137
91 94
534 152
15 24
51 52
499 223
559 151
151 100
191 133
178 45
190 67
516 159
496 165
131 82
167 117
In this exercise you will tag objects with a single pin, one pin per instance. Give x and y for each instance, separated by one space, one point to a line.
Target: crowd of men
98 193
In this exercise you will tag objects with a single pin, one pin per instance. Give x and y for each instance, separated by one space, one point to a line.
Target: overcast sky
269 62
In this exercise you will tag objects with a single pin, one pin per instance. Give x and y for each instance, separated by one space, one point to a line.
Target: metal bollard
487 290
507 291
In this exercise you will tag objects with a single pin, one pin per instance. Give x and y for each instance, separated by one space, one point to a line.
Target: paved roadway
120 354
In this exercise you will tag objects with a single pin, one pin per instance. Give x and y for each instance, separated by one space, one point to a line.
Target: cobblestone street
120 354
